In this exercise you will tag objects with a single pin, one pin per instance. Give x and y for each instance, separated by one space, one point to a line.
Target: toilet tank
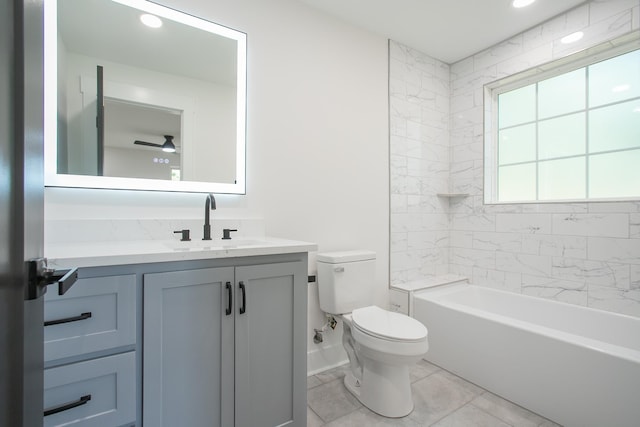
345 280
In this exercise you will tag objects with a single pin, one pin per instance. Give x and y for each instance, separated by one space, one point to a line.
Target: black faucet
210 203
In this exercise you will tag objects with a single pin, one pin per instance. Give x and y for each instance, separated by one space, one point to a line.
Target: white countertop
105 253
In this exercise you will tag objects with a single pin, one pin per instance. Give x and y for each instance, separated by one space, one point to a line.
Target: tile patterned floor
441 400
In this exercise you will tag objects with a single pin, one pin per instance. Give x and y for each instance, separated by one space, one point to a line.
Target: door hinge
40 276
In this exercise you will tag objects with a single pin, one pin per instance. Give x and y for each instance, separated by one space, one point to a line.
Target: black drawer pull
230 301
83 316
82 401
244 298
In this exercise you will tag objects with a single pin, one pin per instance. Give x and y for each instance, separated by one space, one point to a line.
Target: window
565 133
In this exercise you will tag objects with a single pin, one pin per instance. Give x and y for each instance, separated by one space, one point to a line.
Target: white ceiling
448 30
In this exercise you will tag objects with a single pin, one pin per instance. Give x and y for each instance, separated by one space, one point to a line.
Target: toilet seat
377 338
388 325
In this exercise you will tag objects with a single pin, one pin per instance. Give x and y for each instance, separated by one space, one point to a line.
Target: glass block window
568 135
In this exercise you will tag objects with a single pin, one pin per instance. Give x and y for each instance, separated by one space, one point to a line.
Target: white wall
580 253
317 142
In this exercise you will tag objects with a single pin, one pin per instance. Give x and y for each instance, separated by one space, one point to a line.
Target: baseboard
321 359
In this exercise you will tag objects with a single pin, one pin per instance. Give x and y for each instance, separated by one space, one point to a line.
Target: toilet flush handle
339 269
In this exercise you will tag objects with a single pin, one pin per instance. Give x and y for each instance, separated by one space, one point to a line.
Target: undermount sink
215 244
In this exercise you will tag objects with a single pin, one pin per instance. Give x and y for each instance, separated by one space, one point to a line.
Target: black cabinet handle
243 308
82 401
230 296
83 316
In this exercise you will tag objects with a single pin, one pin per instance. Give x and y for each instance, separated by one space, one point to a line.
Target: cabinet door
188 348
270 344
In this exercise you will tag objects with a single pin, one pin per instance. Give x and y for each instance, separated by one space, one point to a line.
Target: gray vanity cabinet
188 348
226 346
90 353
270 345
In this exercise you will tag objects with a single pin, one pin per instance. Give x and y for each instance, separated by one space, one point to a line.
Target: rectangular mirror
142 106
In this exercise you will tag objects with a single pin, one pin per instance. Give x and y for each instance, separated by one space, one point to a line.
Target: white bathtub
574 365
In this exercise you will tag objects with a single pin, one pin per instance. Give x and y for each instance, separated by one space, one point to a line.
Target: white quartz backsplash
110 230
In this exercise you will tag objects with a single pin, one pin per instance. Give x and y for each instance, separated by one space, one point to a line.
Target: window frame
602 52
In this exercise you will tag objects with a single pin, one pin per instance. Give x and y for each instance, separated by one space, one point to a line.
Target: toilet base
385 389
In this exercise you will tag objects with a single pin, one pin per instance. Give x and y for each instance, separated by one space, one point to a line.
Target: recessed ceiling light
521 3
151 20
573 37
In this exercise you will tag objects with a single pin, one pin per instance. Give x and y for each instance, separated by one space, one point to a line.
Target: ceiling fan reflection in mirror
167 146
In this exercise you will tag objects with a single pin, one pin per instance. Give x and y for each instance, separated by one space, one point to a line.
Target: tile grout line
489 413
319 417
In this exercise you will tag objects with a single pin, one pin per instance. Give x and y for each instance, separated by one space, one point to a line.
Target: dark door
21 210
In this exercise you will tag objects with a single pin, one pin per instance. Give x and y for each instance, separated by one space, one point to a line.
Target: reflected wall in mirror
117 91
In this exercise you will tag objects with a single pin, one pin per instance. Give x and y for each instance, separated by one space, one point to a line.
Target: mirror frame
54 179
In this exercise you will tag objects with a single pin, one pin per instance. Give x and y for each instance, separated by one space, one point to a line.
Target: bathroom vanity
178 333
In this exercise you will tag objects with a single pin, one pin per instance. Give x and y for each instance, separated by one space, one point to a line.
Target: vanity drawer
99 392
95 314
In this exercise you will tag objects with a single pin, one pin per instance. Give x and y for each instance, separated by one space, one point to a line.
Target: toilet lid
389 325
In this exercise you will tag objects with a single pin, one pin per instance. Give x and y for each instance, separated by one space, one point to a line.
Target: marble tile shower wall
419 155
581 253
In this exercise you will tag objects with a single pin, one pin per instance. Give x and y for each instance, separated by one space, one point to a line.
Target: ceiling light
521 3
151 20
571 38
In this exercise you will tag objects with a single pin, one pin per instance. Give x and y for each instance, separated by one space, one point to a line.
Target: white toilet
381 344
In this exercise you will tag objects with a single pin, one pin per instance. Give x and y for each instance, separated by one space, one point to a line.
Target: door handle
40 276
243 307
230 298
